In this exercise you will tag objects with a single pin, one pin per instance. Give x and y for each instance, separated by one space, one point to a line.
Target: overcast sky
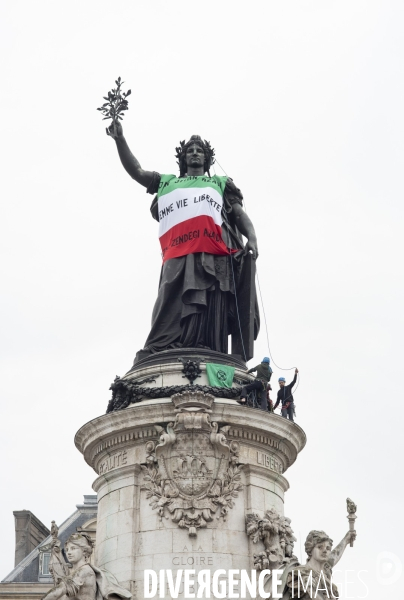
303 102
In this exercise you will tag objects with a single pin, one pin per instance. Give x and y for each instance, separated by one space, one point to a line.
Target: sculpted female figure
201 220
85 582
314 579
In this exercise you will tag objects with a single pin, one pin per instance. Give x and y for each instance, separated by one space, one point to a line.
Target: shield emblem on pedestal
197 470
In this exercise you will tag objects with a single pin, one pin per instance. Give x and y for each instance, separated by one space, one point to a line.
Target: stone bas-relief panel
275 532
193 472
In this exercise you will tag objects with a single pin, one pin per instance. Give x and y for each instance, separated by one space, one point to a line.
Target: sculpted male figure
201 223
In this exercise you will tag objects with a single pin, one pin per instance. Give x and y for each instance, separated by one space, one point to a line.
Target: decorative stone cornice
251 427
164 374
273 476
125 393
24 591
134 435
116 475
268 442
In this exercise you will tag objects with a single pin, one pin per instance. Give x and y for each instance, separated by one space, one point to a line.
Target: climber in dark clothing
285 396
264 373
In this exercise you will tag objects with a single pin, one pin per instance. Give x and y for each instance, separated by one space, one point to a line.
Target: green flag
220 375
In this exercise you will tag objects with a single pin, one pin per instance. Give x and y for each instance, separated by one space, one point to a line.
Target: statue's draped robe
105 586
196 304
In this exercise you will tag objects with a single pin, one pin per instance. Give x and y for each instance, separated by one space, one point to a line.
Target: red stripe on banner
200 234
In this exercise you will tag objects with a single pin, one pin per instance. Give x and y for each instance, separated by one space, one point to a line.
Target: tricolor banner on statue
190 215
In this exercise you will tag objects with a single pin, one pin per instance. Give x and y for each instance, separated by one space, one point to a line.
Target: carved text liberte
269 461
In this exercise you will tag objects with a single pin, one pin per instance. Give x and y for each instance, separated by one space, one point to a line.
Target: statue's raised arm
129 162
338 551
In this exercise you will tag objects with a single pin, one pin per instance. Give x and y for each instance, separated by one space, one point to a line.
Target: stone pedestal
177 477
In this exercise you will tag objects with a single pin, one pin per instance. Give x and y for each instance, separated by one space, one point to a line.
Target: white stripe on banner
186 203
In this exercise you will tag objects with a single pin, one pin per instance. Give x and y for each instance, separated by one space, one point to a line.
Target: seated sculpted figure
314 579
85 582
201 223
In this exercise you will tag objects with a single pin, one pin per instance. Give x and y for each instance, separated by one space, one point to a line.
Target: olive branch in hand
116 103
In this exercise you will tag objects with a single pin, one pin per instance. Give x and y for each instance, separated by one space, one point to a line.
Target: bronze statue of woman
201 223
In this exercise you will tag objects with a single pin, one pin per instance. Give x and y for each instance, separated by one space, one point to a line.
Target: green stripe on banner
168 183
220 375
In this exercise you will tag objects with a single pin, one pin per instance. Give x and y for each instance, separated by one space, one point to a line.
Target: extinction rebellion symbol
221 375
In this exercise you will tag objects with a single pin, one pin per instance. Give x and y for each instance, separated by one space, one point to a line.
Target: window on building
45 563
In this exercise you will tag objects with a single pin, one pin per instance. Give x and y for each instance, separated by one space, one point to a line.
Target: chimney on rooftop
29 532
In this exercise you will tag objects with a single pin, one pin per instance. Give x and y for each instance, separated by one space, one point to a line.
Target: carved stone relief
275 532
193 472
191 368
